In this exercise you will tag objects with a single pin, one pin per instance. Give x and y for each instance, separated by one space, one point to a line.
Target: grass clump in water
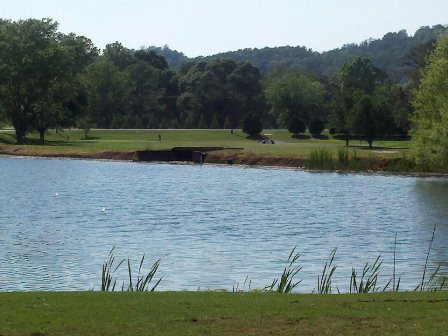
343 158
321 159
351 162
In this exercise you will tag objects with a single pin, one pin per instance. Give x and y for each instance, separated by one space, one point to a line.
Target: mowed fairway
72 141
220 313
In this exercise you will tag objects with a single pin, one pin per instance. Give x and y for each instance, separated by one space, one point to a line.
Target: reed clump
324 280
321 159
365 280
143 282
287 283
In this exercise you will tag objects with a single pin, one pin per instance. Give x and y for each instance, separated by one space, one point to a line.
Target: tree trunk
347 139
42 137
20 135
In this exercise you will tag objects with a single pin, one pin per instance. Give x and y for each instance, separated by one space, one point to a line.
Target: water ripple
59 219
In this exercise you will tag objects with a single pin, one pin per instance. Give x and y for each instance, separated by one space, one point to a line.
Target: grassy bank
285 145
217 313
290 151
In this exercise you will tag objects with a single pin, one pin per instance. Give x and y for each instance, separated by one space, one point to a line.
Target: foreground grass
72 141
217 313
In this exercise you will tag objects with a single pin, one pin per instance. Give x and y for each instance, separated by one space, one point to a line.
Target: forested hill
390 53
174 58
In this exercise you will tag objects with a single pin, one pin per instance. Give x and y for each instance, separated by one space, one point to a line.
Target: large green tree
108 92
126 88
430 122
58 104
223 89
361 105
294 94
360 74
146 93
39 70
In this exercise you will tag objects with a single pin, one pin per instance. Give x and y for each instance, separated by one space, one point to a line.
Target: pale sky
205 27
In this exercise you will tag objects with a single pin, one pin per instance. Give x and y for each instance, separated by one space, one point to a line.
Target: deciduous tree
430 122
39 71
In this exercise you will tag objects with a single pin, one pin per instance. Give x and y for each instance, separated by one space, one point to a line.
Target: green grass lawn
219 313
130 140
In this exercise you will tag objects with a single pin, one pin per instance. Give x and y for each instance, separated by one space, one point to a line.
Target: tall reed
236 287
423 286
324 279
367 282
321 159
143 281
343 158
286 282
395 285
107 273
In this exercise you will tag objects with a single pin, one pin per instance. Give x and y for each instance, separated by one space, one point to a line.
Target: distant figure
160 138
231 131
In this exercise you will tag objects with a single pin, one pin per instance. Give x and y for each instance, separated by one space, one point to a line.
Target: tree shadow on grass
384 148
301 136
61 144
321 137
51 143
10 139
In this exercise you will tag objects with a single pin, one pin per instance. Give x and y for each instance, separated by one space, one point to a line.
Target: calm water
60 218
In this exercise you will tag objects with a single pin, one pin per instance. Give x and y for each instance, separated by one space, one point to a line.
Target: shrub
316 127
227 123
214 124
296 126
138 124
252 125
201 123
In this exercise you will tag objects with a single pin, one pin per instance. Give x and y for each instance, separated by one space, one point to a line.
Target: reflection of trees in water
434 196
432 201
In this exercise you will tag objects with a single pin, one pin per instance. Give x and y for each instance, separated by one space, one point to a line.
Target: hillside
388 53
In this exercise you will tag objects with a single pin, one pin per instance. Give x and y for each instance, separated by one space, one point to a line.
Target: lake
214 226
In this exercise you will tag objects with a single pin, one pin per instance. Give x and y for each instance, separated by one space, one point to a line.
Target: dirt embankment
108 155
381 165
214 157
253 160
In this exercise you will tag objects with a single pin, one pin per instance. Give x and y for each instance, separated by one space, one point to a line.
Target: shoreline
217 158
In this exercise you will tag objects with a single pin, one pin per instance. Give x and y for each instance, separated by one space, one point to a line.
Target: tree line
50 80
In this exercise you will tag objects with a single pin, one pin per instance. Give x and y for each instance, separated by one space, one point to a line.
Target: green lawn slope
221 313
286 145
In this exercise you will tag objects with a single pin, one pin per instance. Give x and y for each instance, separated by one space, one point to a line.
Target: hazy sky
204 27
